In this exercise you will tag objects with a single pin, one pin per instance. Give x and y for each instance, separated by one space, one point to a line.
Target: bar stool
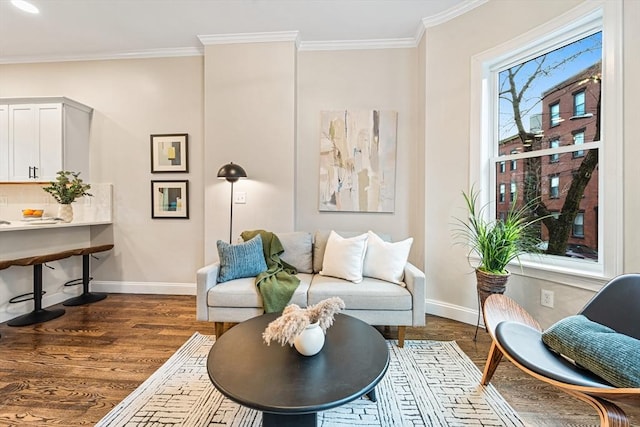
86 297
38 315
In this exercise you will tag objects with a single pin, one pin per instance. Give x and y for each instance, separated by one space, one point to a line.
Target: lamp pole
231 215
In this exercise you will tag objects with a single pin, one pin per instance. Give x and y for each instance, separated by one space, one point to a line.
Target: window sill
578 273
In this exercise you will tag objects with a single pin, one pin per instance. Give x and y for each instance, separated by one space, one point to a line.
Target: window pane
552 183
578 139
578 104
578 225
554 112
552 102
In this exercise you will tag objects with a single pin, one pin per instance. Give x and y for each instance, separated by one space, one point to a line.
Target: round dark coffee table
290 388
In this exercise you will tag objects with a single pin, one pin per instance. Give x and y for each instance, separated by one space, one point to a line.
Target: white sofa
374 301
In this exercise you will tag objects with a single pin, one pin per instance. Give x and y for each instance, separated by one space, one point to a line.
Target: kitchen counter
18 225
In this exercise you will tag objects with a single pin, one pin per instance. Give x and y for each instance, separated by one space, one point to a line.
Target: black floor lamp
231 172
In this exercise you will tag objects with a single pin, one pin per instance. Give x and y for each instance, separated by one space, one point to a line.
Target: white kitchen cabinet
4 142
44 136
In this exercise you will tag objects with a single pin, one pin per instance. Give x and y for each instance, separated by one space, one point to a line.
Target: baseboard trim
49 299
434 307
159 288
452 311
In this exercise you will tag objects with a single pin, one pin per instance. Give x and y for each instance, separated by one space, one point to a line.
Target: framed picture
170 199
169 153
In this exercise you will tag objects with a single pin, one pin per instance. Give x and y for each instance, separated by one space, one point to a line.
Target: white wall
384 79
133 99
449 49
249 120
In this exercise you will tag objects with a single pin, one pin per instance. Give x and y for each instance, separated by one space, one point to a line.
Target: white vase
65 212
310 341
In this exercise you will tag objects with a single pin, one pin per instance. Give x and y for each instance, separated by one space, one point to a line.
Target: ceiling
93 29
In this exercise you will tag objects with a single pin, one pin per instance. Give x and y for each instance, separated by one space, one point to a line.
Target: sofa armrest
206 278
415 281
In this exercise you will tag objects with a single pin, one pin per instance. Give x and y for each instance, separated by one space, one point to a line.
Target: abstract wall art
358 160
170 199
169 153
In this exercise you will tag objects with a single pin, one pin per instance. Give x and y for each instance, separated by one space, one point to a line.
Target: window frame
577 23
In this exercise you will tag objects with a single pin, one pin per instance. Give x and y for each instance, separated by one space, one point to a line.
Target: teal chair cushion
612 356
242 260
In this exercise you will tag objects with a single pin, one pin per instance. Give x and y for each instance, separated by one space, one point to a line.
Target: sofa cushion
386 260
244 293
242 260
320 243
370 294
344 257
598 348
297 250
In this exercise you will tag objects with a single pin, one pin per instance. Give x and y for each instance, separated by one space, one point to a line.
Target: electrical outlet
4 201
240 197
546 298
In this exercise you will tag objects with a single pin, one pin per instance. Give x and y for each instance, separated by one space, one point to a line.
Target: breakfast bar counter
19 225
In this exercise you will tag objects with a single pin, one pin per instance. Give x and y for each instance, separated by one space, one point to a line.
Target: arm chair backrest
617 305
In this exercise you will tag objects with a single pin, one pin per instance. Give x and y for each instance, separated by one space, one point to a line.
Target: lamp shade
231 172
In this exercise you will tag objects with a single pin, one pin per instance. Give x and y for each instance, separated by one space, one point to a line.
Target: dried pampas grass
294 320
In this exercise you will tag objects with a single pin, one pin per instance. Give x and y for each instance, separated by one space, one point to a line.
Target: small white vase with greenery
67 187
296 322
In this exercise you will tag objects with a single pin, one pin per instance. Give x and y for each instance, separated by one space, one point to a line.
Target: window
578 225
556 81
503 167
514 163
512 192
554 114
554 187
578 139
547 67
503 190
555 143
578 104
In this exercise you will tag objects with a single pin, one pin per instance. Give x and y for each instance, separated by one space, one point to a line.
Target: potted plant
304 328
497 242
67 187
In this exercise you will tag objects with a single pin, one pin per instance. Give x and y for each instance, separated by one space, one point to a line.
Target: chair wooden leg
493 360
219 329
401 331
610 414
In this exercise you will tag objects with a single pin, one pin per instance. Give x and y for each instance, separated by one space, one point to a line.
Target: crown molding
264 37
149 53
359 44
451 13
275 36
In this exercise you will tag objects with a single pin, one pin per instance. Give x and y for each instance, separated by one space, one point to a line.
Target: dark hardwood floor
72 370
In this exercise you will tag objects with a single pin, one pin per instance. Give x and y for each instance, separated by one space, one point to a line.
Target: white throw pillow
386 260
343 258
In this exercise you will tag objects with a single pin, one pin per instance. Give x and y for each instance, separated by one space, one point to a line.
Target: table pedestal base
292 420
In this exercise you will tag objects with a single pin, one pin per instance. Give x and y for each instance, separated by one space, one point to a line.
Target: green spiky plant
498 242
67 187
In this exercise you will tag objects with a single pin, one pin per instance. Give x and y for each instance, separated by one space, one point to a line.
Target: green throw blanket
279 282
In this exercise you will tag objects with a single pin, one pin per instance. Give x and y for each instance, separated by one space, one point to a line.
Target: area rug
429 383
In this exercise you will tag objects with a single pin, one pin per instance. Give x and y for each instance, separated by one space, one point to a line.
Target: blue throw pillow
242 260
612 356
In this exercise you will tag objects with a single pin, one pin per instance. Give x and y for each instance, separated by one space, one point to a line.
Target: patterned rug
429 383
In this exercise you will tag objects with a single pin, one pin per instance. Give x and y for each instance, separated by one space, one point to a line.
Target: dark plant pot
489 283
